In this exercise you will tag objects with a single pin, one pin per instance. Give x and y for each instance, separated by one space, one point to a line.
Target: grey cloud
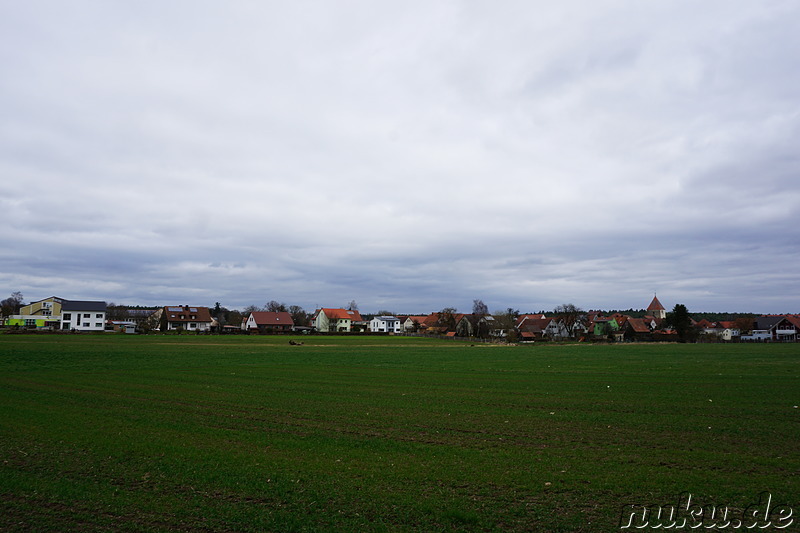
407 155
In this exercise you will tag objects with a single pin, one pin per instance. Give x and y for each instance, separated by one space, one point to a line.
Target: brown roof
527 318
522 318
186 313
638 325
270 318
431 320
534 325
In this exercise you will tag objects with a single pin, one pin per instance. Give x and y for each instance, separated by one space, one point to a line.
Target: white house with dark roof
388 324
81 315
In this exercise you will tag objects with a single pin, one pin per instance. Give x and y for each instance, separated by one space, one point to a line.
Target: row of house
59 313
78 315
56 313
779 328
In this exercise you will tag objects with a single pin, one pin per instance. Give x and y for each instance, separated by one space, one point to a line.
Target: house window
192 325
30 322
67 316
98 325
66 325
87 315
99 315
86 324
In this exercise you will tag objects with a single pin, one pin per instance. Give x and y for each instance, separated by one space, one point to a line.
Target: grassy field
209 433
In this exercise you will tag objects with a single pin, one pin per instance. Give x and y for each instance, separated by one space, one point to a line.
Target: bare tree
447 319
744 324
352 306
570 318
506 320
299 315
234 317
117 312
275 307
478 319
11 305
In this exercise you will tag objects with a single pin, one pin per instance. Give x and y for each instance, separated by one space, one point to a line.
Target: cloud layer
407 155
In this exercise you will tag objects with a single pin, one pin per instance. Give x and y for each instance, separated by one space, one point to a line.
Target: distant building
268 322
58 313
83 315
656 309
186 318
389 324
327 319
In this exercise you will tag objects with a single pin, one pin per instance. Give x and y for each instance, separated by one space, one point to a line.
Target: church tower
656 309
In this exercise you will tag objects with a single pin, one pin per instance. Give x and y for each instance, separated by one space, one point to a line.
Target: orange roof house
330 319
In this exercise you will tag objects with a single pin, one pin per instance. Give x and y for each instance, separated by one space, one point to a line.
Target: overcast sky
408 155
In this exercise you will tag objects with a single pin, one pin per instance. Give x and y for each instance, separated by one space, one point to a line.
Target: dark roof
140 312
82 305
767 322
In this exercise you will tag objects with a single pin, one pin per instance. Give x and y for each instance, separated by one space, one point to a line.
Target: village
565 323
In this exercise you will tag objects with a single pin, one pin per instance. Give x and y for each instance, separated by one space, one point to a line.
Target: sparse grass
202 433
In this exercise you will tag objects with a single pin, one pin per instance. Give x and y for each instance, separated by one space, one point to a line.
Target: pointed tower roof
655 305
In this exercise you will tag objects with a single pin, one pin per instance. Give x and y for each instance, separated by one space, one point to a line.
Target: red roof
793 319
342 314
655 305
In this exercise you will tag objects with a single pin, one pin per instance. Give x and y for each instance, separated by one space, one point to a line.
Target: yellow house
47 307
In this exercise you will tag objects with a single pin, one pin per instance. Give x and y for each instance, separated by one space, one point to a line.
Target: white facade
758 335
725 334
83 320
387 324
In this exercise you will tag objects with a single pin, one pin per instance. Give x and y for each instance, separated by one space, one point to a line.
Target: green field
210 433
